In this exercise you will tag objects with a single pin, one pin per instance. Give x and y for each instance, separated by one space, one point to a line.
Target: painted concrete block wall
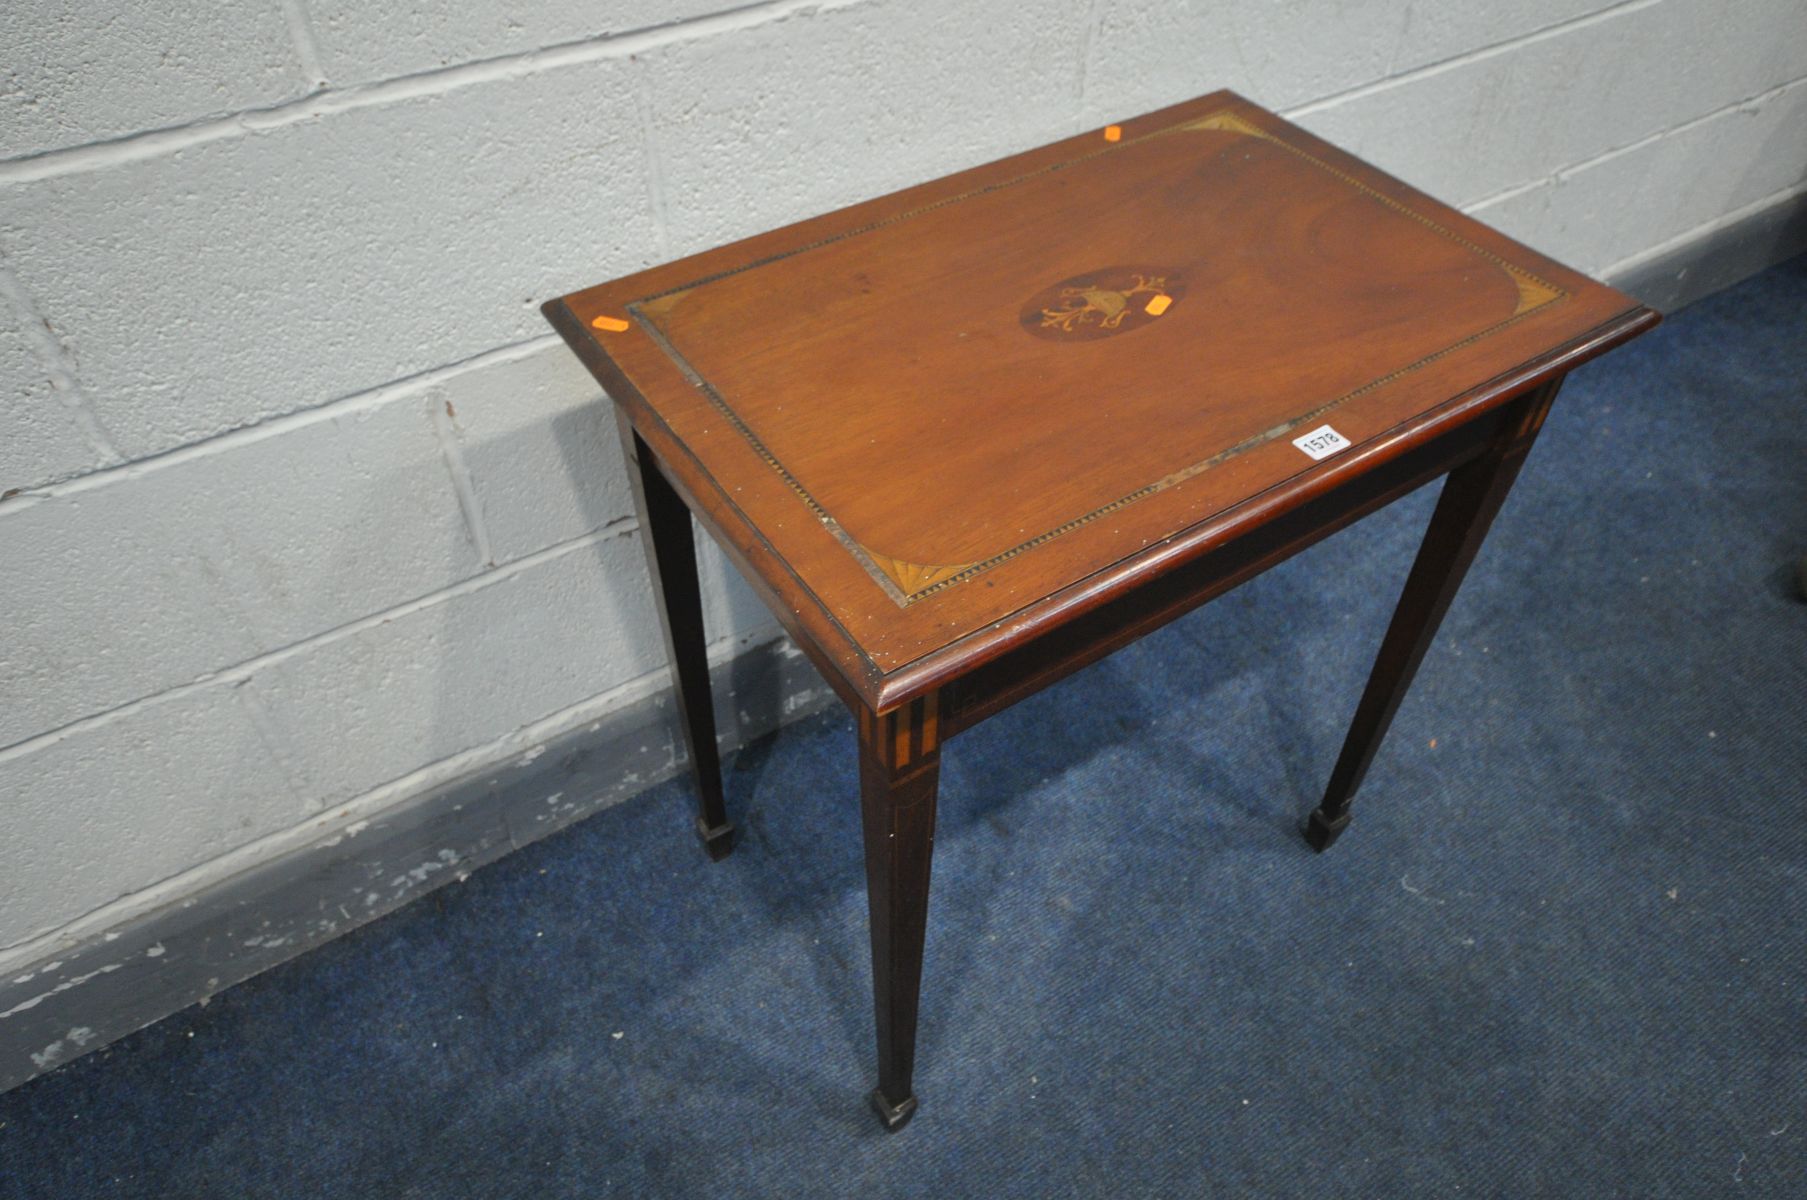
303 508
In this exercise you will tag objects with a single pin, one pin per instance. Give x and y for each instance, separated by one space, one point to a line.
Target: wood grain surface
936 426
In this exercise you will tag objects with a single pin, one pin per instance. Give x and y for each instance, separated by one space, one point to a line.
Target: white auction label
1322 442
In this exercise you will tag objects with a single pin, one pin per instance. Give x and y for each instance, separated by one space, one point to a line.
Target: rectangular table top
939 423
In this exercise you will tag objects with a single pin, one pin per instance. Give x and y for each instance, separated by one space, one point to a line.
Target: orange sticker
1113 133
609 324
1158 305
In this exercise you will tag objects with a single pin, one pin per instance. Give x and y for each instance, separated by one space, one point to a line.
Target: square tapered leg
671 561
1472 496
900 764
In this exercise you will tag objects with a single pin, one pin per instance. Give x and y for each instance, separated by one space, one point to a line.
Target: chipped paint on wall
182 954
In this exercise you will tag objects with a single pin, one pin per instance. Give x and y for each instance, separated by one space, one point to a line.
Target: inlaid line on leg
900 766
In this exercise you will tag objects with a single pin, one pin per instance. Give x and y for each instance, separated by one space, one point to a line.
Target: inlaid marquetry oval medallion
1100 303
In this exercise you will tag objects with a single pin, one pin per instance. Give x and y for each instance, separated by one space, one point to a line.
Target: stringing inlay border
895 576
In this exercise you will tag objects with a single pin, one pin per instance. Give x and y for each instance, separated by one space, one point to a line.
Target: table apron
1026 670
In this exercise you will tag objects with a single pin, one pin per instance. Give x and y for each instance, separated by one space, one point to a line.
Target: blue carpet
1561 951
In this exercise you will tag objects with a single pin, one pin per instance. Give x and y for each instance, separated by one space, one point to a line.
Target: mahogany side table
969 437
